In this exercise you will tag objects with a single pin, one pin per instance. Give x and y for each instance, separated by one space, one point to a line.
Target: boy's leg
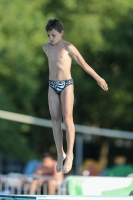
67 101
55 111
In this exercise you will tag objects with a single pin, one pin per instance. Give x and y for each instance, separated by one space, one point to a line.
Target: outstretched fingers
102 83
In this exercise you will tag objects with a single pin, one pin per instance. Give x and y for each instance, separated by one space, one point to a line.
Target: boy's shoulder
45 46
68 44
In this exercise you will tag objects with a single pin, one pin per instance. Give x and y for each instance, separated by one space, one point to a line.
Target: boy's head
54 30
54 24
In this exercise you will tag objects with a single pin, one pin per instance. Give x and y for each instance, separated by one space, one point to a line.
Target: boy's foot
68 164
60 160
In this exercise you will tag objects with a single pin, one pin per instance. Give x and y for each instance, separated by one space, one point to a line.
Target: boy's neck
58 43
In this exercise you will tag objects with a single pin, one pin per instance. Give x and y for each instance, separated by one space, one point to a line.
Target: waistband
62 80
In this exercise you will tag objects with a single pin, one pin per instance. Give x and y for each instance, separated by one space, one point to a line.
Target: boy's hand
102 83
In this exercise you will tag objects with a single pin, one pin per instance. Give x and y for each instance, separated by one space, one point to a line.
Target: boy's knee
68 119
55 119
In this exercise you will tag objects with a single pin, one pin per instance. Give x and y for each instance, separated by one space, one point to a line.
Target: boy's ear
62 32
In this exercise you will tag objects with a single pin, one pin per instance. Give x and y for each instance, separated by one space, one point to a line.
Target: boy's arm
80 60
45 48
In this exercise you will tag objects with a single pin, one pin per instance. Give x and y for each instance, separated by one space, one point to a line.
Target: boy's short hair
54 24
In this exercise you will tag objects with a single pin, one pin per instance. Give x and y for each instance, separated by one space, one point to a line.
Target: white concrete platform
62 197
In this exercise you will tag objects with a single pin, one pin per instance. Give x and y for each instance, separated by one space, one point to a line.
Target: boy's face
54 36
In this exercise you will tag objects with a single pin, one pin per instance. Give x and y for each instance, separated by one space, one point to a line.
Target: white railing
20 184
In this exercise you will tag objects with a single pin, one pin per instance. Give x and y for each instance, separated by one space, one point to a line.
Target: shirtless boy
46 168
61 85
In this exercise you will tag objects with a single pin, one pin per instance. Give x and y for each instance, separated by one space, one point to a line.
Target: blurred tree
101 30
19 81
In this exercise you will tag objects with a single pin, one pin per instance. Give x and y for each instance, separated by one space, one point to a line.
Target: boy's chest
57 53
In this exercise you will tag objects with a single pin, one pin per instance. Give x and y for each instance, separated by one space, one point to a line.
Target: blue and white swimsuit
58 86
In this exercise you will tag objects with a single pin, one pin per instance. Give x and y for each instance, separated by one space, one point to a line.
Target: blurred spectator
47 168
120 168
90 167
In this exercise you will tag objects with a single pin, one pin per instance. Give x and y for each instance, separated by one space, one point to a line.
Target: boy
61 85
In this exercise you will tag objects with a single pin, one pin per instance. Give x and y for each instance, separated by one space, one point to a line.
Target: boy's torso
59 61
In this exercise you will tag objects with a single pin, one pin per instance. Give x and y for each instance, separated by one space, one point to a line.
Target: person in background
47 168
90 167
120 168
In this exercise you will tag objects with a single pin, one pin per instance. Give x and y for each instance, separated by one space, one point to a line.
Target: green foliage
101 30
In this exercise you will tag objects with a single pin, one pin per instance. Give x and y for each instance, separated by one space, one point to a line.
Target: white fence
20 184
72 185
